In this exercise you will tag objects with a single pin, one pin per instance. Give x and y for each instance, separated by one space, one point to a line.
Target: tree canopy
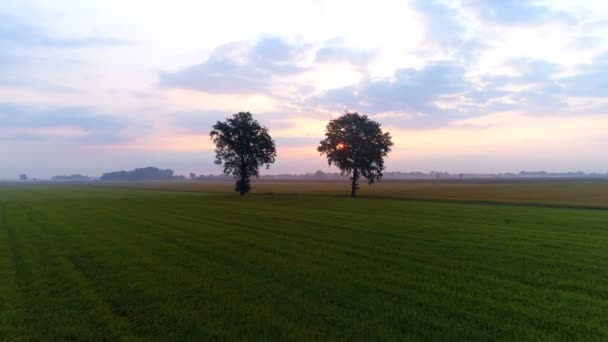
140 174
242 146
357 146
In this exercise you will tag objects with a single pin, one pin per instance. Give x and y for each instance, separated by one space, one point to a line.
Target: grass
84 263
567 193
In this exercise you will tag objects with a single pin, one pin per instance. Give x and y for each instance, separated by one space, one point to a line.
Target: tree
357 146
192 175
320 175
23 177
242 146
142 174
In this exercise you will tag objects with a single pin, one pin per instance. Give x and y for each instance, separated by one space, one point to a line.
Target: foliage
142 174
242 145
71 178
357 146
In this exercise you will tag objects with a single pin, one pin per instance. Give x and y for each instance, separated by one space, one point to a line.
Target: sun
340 146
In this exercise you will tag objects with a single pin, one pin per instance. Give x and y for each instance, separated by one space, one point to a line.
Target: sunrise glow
455 82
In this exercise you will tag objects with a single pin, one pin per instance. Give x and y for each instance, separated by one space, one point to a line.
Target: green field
562 193
94 263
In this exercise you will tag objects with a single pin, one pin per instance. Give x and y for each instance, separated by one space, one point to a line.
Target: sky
462 86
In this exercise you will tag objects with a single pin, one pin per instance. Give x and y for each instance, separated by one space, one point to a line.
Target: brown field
578 193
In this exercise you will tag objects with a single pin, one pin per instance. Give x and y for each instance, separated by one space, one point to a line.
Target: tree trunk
242 185
353 191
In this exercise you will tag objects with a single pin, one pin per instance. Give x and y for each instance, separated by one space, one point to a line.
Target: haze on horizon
463 86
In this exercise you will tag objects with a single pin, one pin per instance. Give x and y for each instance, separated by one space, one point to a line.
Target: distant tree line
71 178
353 143
142 174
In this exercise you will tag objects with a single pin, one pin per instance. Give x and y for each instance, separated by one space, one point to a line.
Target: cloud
16 32
499 139
77 124
298 142
237 68
425 69
197 122
444 24
533 85
194 100
409 90
274 54
336 51
590 80
541 86
509 11
440 92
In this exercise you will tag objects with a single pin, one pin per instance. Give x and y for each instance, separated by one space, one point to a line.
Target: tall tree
242 146
357 146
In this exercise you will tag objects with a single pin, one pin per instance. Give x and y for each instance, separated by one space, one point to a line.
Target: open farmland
94 263
557 192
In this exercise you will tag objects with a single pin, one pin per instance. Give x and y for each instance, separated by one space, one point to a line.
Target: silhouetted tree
357 146
23 177
242 146
320 175
192 175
